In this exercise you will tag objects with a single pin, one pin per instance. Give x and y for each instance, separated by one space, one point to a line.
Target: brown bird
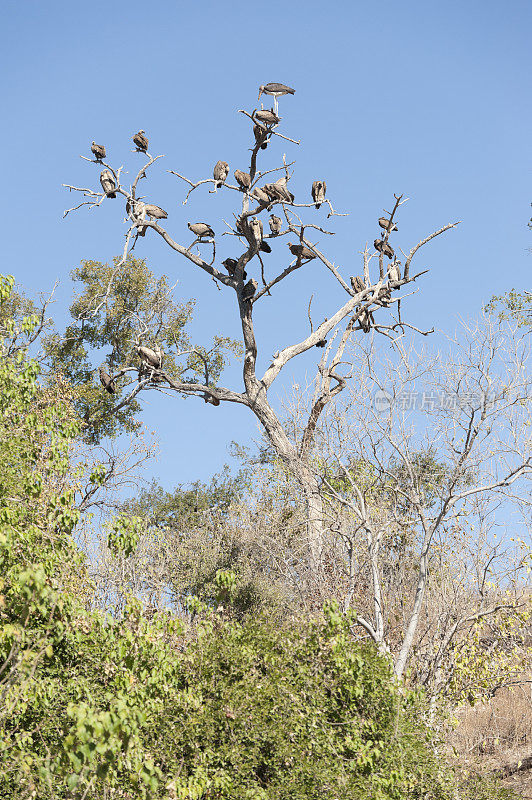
275 90
98 151
149 356
268 116
137 211
249 289
231 264
256 229
301 251
394 272
357 284
220 172
140 141
278 191
318 192
275 224
365 319
243 179
108 183
265 247
384 248
387 225
209 398
201 229
107 382
260 195
261 136
155 212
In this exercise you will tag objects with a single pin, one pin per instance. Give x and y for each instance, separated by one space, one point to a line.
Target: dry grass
497 732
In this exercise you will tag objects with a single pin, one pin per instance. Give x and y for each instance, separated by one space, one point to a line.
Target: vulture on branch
365 319
318 192
256 229
260 195
231 264
260 136
243 179
265 247
394 272
275 224
107 382
278 191
301 251
275 90
108 183
140 141
268 116
201 229
357 284
384 248
155 212
209 398
249 289
385 223
98 151
220 172
149 356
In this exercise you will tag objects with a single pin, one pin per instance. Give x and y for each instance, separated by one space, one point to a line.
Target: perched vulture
140 141
149 356
301 251
265 247
357 284
243 179
159 353
394 272
107 382
275 89
269 117
260 136
249 289
318 192
278 191
387 225
384 248
231 264
209 398
260 195
365 320
201 229
275 224
108 183
220 172
256 229
155 212
98 151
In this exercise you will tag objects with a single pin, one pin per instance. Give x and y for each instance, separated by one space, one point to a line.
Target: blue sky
425 98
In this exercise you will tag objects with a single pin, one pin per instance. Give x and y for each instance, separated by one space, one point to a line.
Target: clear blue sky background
430 99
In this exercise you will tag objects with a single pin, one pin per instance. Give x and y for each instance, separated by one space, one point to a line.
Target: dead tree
264 196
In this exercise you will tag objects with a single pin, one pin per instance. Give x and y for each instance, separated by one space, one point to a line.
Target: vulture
260 136
108 183
260 195
220 172
394 272
357 284
209 398
275 224
201 229
243 179
107 382
155 212
256 229
149 356
269 117
387 225
140 141
384 248
318 192
278 191
275 90
98 151
265 247
365 320
301 251
231 264
249 289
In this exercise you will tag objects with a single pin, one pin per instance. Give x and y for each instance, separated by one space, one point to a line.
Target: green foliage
512 305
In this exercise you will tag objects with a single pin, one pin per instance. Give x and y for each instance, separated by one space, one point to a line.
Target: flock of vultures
264 120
